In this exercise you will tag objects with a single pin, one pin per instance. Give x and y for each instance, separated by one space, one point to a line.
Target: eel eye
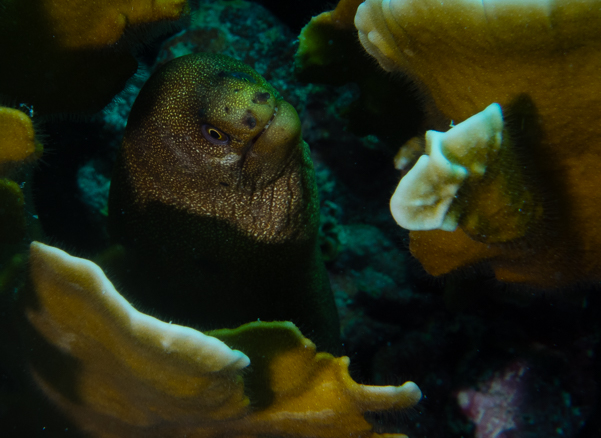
214 135
243 77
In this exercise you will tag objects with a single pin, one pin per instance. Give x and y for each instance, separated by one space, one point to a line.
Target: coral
465 56
495 408
459 180
73 56
326 45
99 25
77 311
118 372
527 396
215 186
328 38
18 138
423 197
17 146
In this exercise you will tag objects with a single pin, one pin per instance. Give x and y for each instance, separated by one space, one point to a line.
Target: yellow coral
301 393
17 145
323 41
85 24
328 51
68 56
538 60
117 372
17 141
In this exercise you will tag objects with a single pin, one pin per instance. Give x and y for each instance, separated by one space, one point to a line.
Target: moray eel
214 194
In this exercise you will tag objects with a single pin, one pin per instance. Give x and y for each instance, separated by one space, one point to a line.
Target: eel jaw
271 150
265 128
281 133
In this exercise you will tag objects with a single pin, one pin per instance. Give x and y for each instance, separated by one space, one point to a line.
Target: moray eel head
211 109
209 135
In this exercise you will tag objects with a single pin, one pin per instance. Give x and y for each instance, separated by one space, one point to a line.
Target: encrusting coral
17 142
18 146
385 105
539 61
117 372
215 186
424 196
457 181
91 24
333 26
73 56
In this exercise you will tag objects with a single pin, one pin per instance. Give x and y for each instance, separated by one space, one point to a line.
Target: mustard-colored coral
117 372
327 53
328 37
17 146
17 141
73 56
460 180
88 24
538 60
424 197
301 393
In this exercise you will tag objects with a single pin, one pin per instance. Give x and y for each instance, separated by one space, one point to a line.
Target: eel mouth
248 148
271 151
279 137
266 127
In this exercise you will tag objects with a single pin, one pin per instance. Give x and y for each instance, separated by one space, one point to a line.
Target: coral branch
117 372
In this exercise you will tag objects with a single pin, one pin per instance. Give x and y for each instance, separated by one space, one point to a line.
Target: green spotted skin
214 197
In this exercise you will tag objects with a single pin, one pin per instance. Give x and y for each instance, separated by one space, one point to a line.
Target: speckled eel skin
214 198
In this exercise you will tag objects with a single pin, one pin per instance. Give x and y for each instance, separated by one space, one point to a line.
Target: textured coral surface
538 61
124 373
74 56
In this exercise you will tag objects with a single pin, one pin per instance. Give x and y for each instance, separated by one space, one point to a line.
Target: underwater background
492 359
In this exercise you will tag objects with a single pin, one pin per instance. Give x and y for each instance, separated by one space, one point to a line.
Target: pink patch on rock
494 408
